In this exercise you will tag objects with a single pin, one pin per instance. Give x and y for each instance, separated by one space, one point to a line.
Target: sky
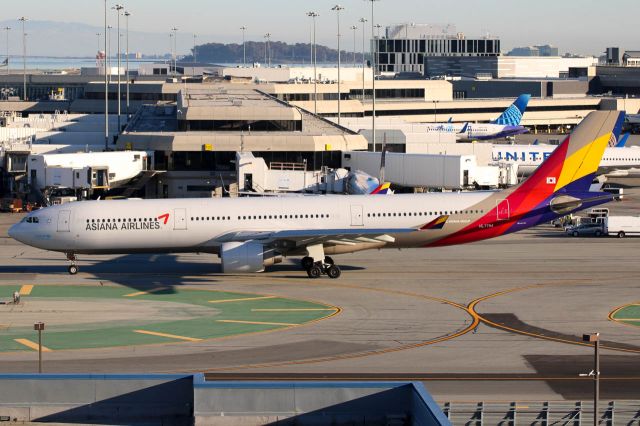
576 26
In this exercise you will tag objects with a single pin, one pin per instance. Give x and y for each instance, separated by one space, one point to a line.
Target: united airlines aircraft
616 162
508 124
249 234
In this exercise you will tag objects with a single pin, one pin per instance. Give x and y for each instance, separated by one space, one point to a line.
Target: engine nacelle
246 257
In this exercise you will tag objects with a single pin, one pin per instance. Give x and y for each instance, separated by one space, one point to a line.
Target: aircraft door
64 219
356 216
502 210
179 219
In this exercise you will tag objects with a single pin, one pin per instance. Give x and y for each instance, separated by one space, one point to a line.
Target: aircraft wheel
73 269
333 272
314 271
307 263
329 260
621 234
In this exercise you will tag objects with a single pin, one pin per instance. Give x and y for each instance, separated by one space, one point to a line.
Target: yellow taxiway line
25 290
258 323
31 345
170 336
294 309
243 299
140 293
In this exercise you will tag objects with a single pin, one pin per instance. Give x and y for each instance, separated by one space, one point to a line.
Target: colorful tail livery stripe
437 223
381 189
513 115
559 186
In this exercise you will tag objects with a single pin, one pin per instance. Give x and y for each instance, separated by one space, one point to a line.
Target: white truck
621 226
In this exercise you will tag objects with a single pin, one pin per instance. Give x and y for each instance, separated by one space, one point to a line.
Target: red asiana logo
165 218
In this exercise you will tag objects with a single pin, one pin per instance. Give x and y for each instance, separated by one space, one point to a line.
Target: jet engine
247 257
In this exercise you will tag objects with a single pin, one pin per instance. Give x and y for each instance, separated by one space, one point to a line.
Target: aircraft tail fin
617 130
573 165
623 140
464 128
513 115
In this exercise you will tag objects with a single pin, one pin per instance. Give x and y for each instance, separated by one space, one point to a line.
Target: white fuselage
202 225
618 162
474 131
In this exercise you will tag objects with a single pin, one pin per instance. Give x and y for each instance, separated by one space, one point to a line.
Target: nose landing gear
73 269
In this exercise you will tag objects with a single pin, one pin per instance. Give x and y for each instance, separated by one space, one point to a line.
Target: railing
541 413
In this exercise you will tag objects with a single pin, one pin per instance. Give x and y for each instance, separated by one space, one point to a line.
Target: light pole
106 82
24 59
374 52
171 52
108 53
98 36
338 8
363 21
267 48
175 51
354 28
244 47
314 58
595 339
118 8
378 26
7 29
126 15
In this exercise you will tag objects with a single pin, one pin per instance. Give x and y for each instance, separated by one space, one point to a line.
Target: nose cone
14 232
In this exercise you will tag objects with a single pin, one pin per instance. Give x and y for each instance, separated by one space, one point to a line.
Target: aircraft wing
305 237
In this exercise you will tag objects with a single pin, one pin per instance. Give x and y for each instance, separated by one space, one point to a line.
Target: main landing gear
317 268
73 269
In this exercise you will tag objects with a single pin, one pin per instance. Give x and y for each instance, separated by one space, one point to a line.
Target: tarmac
499 320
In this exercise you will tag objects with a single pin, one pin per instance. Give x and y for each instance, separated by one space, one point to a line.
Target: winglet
383 188
437 223
513 115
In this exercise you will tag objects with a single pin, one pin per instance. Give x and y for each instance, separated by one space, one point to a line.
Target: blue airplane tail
513 115
617 130
623 141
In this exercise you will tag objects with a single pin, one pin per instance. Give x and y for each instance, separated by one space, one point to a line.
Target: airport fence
542 413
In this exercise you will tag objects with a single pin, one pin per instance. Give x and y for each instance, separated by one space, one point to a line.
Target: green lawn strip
632 311
201 328
207 327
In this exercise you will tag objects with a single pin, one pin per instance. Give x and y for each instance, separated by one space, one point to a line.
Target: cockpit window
31 219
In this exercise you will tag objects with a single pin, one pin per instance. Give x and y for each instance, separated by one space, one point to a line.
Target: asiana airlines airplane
249 234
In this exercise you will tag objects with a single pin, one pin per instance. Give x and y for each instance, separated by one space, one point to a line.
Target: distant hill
72 39
281 53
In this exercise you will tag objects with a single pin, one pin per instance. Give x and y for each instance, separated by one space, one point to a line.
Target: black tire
333 272
575 233
314 272
621 234
328 260
73 269
306 262
598 234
